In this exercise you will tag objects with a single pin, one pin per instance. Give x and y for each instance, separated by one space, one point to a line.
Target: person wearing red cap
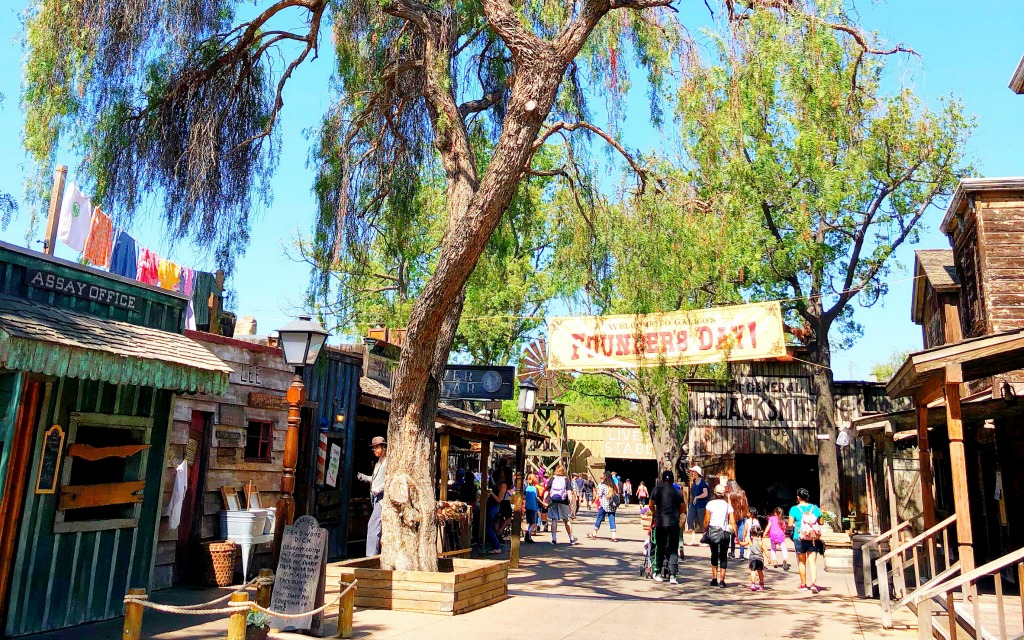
373 530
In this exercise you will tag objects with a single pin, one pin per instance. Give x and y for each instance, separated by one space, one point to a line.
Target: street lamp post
300 341
527 405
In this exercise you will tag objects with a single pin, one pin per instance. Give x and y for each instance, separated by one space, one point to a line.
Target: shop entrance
633 470
772 480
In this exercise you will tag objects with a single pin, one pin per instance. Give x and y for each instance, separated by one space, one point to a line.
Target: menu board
49 460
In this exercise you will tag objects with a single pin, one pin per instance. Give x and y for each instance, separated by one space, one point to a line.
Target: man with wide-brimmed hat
373 530
699 494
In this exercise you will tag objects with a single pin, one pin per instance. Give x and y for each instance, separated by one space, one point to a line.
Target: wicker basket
219 560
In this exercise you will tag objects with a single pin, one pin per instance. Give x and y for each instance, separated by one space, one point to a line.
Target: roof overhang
58 342
977 357
1017 79
970 186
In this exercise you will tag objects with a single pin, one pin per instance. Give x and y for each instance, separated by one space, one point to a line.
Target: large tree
789 124
180 102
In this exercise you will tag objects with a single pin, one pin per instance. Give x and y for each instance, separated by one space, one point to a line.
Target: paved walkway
594 590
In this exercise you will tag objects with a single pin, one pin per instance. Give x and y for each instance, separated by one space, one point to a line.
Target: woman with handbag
719 526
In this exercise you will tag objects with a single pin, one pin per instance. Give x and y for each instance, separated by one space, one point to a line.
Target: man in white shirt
380 449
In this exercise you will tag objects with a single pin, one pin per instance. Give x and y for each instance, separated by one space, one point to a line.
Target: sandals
592 536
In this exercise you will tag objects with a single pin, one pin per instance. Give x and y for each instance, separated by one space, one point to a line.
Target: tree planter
458 586
838 553
256 633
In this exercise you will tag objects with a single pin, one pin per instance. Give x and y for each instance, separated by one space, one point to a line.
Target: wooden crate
460 585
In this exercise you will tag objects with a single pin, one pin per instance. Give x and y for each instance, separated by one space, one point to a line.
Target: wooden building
617 444
89 367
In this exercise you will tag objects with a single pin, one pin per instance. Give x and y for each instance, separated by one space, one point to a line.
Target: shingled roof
53 341
936 266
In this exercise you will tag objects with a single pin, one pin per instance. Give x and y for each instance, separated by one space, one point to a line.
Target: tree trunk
820 354
662 427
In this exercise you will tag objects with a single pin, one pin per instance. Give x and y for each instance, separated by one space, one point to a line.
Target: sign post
298 583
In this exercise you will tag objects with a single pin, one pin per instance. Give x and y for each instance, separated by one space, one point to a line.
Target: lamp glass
527 396
301 341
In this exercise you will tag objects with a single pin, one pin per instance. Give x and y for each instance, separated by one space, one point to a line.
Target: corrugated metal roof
54 341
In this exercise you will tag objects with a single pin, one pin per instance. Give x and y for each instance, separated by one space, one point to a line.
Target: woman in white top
720 524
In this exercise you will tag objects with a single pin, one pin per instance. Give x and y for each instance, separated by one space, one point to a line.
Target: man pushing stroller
666 506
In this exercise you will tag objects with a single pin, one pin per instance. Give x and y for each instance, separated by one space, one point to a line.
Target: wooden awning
449 419
923 373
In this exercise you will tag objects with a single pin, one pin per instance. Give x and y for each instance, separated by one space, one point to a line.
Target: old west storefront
90 365
759 428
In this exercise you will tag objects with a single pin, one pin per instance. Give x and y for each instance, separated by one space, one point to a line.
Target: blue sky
969 52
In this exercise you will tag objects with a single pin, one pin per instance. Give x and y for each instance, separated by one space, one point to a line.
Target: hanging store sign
79 289
722 334
472 382
755 403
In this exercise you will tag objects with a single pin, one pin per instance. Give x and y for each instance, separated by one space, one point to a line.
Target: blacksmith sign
472 382
768 402
79 289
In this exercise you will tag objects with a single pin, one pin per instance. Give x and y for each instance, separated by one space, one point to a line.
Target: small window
259 440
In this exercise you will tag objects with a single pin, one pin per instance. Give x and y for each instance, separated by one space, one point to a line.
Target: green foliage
884 370
788 127
257 619
595 398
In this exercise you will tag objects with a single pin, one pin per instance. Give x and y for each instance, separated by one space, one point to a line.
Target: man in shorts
699 494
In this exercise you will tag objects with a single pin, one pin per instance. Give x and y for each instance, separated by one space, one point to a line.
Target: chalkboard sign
298 583
49 460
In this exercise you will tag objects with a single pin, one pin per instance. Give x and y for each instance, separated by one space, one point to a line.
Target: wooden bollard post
133 617
236 624
345 609
263 591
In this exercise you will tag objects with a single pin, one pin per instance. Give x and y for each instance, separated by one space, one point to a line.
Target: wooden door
23 411
197 449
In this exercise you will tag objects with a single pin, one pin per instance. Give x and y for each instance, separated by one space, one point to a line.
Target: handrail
936 581
888 534
913 542
985 569
865 551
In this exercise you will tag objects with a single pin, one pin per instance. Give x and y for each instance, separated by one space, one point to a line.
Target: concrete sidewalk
593 590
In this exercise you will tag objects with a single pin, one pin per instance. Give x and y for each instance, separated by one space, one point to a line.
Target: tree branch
641 171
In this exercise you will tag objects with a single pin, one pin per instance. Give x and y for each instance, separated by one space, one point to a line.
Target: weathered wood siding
1000 231
63 579
226 464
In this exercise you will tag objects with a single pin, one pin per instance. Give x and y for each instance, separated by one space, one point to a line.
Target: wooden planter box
459 586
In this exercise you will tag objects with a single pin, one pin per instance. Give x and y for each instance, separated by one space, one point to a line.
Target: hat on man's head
698 470
378 440
666 476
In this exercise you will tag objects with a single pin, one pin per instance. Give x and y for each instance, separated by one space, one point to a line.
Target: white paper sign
332 467
298 572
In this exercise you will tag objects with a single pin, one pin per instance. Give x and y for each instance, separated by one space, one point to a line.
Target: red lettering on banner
705 337
606 345
651 342
681 341
666 342
752 326
577 337
622 344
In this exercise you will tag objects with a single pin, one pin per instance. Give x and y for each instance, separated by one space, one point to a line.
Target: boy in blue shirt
531 505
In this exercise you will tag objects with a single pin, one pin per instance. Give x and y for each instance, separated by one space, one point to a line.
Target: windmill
534 363
549 418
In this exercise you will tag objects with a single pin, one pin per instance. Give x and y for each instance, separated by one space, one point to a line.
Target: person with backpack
558 504
667 505
805 518
608 500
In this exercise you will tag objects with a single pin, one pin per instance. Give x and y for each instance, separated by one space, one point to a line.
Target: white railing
958 618
891 539
894 565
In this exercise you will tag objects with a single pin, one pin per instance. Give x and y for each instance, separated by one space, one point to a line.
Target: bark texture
822 379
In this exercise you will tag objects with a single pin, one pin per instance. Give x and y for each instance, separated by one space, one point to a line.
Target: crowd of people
697 514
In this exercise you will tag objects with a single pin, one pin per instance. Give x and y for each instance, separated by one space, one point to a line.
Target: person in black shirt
666 505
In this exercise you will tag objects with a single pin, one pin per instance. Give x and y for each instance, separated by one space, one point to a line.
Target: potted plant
257 625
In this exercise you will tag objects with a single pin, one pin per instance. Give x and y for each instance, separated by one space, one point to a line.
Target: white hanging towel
173 511
75 217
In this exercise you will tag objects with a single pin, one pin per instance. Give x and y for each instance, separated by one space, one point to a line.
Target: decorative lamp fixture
301 341
527 396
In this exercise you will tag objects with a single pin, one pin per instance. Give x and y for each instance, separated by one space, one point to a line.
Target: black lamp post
300 341
527 405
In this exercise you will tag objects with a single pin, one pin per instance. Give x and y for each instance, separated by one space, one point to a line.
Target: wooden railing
941 596
907 556
891 539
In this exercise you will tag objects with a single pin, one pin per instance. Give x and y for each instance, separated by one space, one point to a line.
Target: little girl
756 551
777 536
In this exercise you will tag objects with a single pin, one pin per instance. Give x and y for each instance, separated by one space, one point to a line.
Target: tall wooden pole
285 513
446 447
958 464
924 459
520 499
485 458
53 216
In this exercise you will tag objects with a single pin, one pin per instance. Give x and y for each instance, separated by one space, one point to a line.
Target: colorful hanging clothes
100 242
187 286
124 260
205 286
169 273
146 271
75 218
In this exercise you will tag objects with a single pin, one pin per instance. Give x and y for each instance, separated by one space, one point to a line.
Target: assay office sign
79 289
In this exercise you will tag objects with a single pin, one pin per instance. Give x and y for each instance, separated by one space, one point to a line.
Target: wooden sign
79 289
231 414
49 460
259 400
473 382
297 583
380 369
248 374
101 495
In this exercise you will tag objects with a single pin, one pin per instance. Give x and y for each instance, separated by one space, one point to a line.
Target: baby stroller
647 569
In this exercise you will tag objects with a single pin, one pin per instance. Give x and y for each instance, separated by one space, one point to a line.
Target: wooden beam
958 467
446 445
101 495
924 459
485 458
890 485
53 214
